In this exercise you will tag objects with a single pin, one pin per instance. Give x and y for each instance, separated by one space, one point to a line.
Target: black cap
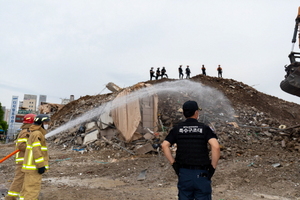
189 108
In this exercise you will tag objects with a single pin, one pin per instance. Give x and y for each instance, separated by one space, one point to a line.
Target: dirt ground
258 160
113 174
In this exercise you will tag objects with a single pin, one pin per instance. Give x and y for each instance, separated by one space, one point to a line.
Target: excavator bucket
291 83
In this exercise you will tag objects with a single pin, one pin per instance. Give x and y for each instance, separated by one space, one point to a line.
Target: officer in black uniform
192 163
188 72
163 72
180 71
151 73
203 70
157 73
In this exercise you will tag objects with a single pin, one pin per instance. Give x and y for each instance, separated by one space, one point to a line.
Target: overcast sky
75 47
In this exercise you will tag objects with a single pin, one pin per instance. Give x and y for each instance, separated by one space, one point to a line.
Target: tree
1 113
3 124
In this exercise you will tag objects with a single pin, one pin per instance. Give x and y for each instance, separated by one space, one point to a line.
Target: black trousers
193 184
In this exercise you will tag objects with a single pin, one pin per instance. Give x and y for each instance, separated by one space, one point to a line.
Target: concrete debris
140 126
142 149
49 108
276 165
142 175
113 87
91 137
149 136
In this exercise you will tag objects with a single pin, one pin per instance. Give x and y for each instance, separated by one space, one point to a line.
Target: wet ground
113 174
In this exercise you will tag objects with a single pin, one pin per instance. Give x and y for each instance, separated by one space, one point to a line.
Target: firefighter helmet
39 119
29 118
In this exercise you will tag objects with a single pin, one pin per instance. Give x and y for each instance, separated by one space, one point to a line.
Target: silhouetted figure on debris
151 73
157 73
220 71
163 72
203 70
187 71
180 71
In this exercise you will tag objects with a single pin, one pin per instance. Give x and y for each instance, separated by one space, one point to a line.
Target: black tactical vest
191 144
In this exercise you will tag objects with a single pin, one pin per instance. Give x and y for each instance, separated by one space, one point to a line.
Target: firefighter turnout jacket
21 143
16 186
36 154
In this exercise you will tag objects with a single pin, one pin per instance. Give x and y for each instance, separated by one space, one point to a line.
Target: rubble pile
258 121
49 108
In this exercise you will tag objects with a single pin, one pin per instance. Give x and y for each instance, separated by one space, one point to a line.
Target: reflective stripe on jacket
13 194
21 143
36 154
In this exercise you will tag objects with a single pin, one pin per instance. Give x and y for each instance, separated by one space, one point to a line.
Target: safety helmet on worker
39 119
29 118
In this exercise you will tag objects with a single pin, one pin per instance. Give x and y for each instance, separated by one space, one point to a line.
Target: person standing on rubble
16 186
188 72
203 70
36 158
163 72
151 73
157 73
192 163
180 71
220 71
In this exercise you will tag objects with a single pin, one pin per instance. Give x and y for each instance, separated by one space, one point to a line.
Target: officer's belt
201 167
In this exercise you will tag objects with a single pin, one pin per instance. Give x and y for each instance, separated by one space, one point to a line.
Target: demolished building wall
49 108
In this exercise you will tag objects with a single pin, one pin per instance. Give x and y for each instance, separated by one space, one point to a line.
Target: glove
175 166
211 171
41 170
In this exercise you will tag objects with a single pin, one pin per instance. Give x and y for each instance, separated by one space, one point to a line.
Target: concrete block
148 136
89 126
109 133
144 149
91 137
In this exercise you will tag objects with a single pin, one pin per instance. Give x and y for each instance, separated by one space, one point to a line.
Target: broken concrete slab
144 149
105 120
148 136
90 125
113 87
91 137
142 175
109 133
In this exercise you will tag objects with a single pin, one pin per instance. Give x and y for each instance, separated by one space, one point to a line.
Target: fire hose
9 155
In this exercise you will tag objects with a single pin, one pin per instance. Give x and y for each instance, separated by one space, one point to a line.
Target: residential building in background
6 115
29 102
66 101
42 99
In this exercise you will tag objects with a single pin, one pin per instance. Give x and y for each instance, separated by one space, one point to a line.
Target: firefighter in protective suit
36 158
16 186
